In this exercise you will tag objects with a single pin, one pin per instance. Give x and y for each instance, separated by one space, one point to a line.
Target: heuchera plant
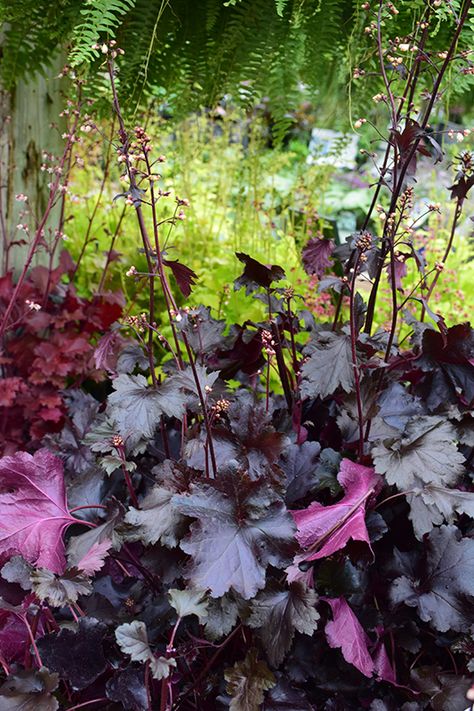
51 345
193 540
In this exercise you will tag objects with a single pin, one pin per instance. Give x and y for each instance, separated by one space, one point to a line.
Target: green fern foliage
185 54
100 18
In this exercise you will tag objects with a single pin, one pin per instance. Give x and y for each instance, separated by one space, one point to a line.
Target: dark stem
398 187
457 215
353 331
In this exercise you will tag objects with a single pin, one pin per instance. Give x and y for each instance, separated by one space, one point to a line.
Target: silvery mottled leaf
99 438
222 613
132 639
277 614
136 408
426 451
329 366
29 690
59 590
161 667
18 570
158 519
111 462
189 602
444 592
433 505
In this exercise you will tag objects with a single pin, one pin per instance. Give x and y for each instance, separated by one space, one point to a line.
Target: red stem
89 703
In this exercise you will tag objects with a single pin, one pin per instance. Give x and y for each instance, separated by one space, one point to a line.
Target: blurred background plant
245 194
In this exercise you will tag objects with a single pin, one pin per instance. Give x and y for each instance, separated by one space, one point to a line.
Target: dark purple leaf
106 351
257 274
299 462
460 189
284 697
259 444
128 688
400 271
244 352
185 277
307 468
131 356
317 255
453 358
76 656
204 333
241 528
446 692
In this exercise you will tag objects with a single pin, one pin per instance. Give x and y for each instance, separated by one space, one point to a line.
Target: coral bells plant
53 342
192 537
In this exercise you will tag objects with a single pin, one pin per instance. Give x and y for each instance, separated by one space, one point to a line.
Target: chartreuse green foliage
243 197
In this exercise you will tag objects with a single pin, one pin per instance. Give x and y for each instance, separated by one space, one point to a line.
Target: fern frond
100 17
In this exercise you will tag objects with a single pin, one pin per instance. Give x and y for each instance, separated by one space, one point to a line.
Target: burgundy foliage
301 576
48 349
182 535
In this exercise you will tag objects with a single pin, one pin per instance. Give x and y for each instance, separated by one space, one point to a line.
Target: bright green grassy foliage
248 199
245 197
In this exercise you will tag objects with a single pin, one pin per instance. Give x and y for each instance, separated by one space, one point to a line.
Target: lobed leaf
329 367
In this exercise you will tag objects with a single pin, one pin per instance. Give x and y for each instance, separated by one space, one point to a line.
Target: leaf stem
89 703
91 506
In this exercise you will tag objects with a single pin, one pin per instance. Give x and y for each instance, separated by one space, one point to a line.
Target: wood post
27 113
